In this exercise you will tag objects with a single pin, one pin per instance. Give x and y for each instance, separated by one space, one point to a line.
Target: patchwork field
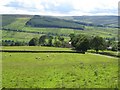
23 31
57 70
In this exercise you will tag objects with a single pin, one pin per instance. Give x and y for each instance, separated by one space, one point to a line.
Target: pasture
19 24
57 70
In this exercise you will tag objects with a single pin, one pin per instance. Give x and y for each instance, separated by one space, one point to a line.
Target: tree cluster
48 40
83 43
13 43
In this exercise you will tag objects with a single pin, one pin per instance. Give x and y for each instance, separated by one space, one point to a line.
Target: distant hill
15 21
107 21
72 22
25 27
52 22
8 19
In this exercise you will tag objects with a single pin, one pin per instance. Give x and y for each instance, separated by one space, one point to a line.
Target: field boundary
30 51
56 51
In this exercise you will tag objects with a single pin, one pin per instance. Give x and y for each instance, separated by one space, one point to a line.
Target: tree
17 43
34 42
98 43
80 42
57 44
42 40
61 39
82 45
50 41
72 36
115 46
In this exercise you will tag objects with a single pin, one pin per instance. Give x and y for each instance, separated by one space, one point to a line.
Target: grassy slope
18 36
101 20
7 19
22 36
58 70
104 32
48 21
50 30
19 23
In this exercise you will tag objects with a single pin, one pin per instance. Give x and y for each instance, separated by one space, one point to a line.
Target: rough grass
58 70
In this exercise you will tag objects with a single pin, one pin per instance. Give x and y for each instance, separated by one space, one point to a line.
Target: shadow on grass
32 51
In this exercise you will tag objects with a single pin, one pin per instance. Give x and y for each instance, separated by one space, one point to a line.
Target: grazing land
35 48
58 70
25 27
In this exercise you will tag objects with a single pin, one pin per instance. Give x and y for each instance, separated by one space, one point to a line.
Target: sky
59 7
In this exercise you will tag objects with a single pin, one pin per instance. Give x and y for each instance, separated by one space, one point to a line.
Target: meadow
57 70
26 37
19 23
35 48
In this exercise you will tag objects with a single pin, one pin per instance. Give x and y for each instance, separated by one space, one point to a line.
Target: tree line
83 43
78 42
48 40
13 43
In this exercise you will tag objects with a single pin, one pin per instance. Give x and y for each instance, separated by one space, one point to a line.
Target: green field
18 36
35 48
24 36
47 67
19 23
57 70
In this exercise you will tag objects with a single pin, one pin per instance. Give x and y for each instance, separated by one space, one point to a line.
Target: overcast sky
59 7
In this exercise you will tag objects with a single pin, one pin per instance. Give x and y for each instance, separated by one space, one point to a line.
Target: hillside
107 21
52 22
14 21
8 19
25 27
72 22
